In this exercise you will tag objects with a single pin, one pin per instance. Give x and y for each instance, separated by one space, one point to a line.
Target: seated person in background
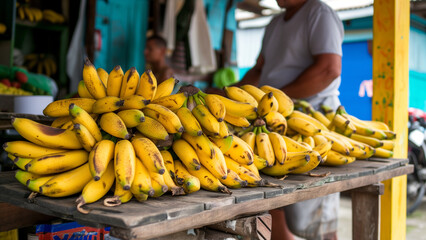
155 56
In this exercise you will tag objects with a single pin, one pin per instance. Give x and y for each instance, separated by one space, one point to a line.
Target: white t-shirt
289 46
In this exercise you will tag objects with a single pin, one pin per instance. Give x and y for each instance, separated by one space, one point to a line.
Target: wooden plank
247 194
251 207
12 217
252 227
210 200
391 24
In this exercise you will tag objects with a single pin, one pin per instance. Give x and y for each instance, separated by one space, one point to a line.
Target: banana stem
201 99
196 99
185 104
203 94
264 129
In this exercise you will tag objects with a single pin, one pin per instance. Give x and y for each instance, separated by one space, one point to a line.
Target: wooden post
390 102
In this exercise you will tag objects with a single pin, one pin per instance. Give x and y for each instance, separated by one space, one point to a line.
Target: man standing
301 54
155 56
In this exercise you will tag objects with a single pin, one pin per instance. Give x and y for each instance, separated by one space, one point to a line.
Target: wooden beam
12 217
391 25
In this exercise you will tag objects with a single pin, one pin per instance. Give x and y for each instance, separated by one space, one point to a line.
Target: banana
129 83
235 108
20 162
134 102
240 95
44 135
80 116
374 142
92 81
131 117
390 135
303 126
377 125
224 144
107 104
359 153
259 162
141 197
35 184
360 126
201 144
158 178
189 122
189 183
285 104
208 181
115 79
29 14
120 196
159 189
168 162
153 129
264 148
53 16
84 136
165 116
299 138
279 147
323 149
165 88
223 130
252 179
233 180
206 119
308 118
187 154
142 182
57 162
338 145
103 75
336 159
239 151
172 102
320 117
315 160
294 160
60 108
294 146
340 122
47 69
23 176
52 64
149 154
217 165
319 139
21 13
388 144
216 106
168 180
95 190
67 183
26 149
250 139
124 163
82 90
267 104
383 153
310 141
276 122
99 158
147 85
237 121
112 124
255 92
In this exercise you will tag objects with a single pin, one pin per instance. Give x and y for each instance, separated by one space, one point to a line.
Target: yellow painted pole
391 25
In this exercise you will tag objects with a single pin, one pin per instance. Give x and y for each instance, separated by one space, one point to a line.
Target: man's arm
315 78
253 75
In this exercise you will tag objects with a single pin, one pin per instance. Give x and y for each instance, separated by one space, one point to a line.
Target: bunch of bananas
3 28
30 13
52 16
6 90
124 128
41 64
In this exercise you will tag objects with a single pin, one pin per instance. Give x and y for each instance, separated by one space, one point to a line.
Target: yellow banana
112 124
99 158
267 104
80 116
237 121
264 148
336 159
29 14
103 75
374 142
67 183
158 178
35 184
285 104
92 81
250 139
84 136
359 153
131 117
216 106
279 147
319 139
153 129
360 126
21 13
95 190
187 154
276 122
239 151
294 146
340 122
142 182
165 88
140 197
159 189
201 144
168 162
208 181
314 161
338 145
383 153
147 85
60 108
303 126
223 130
255 92
57 162
294 160
224 144
259 162
206 119
45 135
115 79
129 83
107 104
388 144
318 124
165 116
149 154
323 148
216 165
168 180
321 117
240 95
377 125
310 141
189 122
28 149
252 179
189 182
233 180
20 162
172 102
134 102
23 176
82 90
120 196
124 163
235 108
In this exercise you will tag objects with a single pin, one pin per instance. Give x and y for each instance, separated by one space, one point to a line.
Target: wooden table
6 117
167 215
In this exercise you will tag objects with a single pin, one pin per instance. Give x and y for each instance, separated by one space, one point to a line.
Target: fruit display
41 64
130 135
32 14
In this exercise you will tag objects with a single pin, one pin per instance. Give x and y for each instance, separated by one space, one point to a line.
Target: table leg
366 211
